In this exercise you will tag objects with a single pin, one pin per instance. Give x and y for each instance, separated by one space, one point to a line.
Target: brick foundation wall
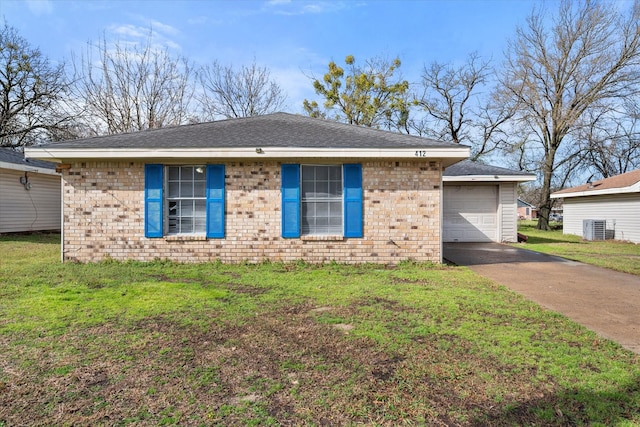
104 217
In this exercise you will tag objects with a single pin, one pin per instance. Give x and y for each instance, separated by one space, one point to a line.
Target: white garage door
470 213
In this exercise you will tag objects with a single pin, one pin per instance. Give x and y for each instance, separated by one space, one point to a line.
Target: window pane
186 189
336 207
308 209
335 189
186 208
186 173
335 173
322 173
200 189
308 173
186 225
174 189
200 208
322 209
307 217
174 173
308 189
200 225
322 189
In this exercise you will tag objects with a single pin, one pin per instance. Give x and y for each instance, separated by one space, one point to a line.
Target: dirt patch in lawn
287 367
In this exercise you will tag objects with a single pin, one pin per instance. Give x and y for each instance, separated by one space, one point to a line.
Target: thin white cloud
129 31
164 28
287 7
40 7
160 34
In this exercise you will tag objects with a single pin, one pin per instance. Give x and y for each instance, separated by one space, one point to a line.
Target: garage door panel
489 220
457 205
470 213
470 218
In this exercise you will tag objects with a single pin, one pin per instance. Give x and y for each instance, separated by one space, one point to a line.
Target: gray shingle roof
8 155
523 204
272 130
469 167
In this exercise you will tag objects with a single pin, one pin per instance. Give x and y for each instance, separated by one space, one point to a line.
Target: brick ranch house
278 187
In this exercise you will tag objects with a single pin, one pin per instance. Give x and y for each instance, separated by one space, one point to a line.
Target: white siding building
30 194
480 203
615 200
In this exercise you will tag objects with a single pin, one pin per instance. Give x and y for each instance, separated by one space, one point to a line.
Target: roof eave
448 155
609 191
28 168
489 178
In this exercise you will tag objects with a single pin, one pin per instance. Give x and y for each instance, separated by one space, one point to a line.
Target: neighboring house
480 203
526 210
30 194
278 187
615 200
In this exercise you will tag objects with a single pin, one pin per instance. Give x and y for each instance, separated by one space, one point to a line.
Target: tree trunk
545 193
545 206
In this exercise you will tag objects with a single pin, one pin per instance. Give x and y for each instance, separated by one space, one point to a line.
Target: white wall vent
594 229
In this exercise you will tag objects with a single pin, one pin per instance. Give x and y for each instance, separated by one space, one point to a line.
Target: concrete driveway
604 301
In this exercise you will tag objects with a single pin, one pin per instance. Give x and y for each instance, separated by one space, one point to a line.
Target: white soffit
28 168
448 155
635 188
489 178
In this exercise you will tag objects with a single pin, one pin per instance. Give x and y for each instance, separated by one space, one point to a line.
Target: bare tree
610 140
247 92
457 111
31 91
125 88
585 57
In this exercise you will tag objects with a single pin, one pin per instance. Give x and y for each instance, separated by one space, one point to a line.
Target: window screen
322 200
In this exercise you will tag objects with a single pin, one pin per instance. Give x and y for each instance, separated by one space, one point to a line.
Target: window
321 200
184 200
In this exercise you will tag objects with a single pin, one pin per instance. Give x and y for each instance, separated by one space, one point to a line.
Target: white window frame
330 200
198 214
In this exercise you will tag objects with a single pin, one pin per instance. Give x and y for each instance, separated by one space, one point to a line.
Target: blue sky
294 39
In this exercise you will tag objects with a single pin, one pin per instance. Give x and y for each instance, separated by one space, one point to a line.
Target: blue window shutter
153 181
290 201
353 217
215 201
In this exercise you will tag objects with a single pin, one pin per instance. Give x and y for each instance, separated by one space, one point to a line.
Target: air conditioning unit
594 229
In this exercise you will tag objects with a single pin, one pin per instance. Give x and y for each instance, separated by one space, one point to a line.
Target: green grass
162 343
615 255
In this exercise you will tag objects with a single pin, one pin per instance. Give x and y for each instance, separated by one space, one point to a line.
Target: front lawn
620 256
291 344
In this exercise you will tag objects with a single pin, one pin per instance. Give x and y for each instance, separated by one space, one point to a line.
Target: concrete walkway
604 301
